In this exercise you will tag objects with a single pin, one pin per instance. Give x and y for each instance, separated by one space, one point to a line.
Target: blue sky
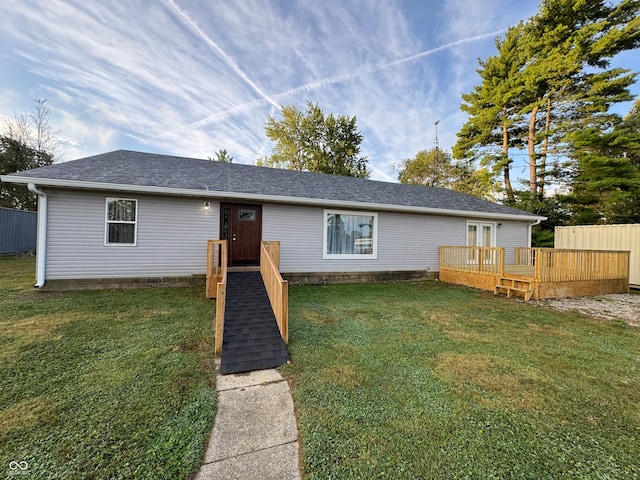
189 77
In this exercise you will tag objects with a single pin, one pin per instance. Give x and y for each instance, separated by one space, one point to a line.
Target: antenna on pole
436 142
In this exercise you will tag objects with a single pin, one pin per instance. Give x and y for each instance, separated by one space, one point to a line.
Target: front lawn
103 384
425 380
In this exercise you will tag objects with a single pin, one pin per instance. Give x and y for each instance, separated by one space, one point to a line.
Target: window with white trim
348 234
121 221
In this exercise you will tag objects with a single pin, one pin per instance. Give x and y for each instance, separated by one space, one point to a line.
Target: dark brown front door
241 225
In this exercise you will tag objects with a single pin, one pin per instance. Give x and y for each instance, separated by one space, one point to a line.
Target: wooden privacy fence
482 260
277 288
217 284
565 265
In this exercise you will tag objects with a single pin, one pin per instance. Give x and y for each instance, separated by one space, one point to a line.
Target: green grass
425 380
103 384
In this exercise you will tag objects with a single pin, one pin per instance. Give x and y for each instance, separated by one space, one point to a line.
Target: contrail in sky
227 59
336 79
347 76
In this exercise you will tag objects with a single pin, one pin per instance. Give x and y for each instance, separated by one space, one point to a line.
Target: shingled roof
130 171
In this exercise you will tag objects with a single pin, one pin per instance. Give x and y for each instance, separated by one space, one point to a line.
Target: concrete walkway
255 433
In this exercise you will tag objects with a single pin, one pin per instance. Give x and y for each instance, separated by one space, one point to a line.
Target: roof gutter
533 224
41 244
320 202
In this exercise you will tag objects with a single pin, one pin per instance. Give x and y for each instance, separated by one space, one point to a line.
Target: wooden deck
537 273
520 270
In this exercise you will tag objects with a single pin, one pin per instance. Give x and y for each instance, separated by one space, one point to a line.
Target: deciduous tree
27 142
15 156
436 168
311 141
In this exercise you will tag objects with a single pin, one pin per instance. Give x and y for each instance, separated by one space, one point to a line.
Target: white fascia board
151 189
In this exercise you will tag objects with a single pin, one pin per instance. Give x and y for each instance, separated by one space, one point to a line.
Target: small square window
121 221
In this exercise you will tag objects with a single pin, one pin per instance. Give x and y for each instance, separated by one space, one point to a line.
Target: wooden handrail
217 285
273 249
277 288
216 265
221 299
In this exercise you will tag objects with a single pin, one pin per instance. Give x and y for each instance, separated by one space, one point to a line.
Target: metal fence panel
17 231
604 237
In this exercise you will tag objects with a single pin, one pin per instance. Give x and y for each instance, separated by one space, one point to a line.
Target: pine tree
606 182
493 127
550 78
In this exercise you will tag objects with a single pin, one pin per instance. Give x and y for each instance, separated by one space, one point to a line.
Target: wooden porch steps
509 285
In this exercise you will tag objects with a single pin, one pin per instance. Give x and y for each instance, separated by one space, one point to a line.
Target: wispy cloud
214 46
187 78
324 82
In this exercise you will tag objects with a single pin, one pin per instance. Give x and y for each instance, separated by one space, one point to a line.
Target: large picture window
350 234
121 221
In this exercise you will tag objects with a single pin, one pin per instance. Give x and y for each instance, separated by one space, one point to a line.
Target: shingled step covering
251 339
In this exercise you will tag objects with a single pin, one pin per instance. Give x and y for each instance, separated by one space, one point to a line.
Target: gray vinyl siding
511 235
405 241
173 232
171 238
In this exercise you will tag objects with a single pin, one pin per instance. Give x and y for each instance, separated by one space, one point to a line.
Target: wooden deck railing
564 265
216 265
526 256
217 285
277 288
482 260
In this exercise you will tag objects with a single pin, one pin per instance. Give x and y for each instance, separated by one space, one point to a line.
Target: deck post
537 265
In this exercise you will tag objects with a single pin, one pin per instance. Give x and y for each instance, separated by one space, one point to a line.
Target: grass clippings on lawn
103 384
425 380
